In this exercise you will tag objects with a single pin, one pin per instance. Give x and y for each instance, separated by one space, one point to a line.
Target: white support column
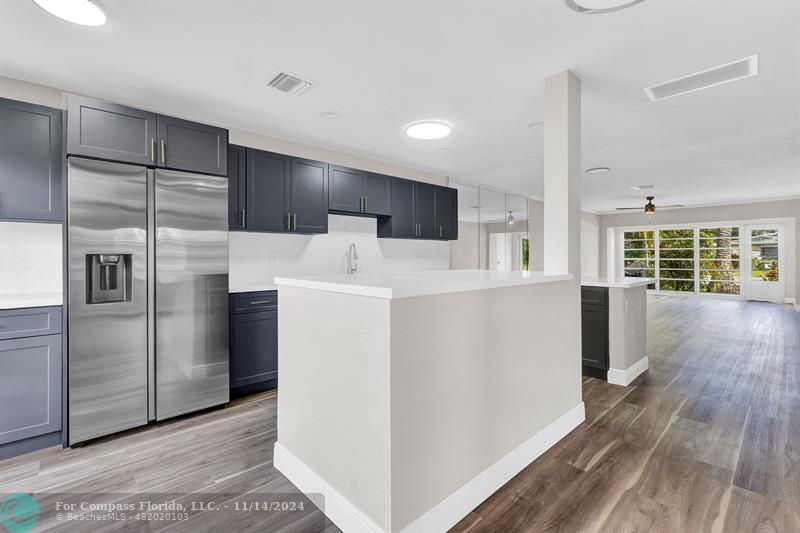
562 173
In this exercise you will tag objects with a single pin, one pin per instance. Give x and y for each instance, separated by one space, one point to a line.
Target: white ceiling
479 65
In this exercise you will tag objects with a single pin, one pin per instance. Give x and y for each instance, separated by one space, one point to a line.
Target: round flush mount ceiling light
598 7
428 130
83 12
597 170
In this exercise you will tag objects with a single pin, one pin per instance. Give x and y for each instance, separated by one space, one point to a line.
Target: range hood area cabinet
421 211
355 191
113 132
271 192
31 167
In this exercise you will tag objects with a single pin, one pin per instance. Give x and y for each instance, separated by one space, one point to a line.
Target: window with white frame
688 260
639 255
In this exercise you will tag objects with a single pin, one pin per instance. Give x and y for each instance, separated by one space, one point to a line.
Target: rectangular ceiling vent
735 70
290 84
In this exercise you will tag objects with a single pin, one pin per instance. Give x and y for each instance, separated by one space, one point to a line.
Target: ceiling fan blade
674 205
630 208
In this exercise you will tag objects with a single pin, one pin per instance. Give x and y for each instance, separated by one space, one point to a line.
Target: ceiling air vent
290 84
736 70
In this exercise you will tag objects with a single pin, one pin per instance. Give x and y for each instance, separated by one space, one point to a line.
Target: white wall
256 258
722 213
590 244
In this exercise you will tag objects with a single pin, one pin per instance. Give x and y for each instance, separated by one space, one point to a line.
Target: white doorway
763 270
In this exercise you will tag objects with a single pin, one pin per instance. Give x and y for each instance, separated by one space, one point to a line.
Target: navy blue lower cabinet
253 342
30 393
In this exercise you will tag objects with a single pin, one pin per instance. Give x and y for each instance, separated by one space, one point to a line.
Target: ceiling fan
649 207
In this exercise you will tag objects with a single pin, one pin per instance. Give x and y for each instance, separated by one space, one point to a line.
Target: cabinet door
345 193
425 211
30 387
113 132
447 213
236 186
594 334
30 162
401 225
254 347
193 147
267 191
309 196
377 191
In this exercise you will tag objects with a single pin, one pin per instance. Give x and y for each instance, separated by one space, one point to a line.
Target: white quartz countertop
253 288
20 301
407 285
620 283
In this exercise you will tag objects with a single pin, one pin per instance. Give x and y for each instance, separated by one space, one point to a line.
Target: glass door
763 269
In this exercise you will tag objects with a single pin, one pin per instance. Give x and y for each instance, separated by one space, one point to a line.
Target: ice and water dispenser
108 278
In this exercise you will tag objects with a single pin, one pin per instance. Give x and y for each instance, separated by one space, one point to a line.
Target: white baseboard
452 509
336 507
625 377
797 307
459 504
791 301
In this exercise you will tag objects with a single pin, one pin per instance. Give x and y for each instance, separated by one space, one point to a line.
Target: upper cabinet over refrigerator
101 130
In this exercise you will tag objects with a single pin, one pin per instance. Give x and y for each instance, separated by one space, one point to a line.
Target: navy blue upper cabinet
356 191
401 225
31 166
346 190
425 211
377 191
267 191
237 162
309 196
193 147
447 213
102 130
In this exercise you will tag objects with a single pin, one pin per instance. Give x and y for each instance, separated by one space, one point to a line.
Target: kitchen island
407 399
619 344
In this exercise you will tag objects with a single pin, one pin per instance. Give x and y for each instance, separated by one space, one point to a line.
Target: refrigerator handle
151 295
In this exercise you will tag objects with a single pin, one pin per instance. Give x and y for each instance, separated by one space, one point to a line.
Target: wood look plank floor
707 440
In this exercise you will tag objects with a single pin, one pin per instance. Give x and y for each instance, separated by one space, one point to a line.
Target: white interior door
763 270
499 251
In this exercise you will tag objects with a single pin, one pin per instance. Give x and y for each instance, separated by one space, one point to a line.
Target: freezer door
107 217
191 300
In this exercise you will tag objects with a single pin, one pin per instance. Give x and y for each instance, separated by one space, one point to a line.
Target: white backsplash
30 264
256 258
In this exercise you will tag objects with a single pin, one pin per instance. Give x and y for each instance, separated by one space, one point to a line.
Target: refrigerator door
107 217
191 300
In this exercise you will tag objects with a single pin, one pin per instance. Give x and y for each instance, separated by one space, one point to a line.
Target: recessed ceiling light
597 170
642 187
83 12
428 130
535 125
598 7
733 71
329 115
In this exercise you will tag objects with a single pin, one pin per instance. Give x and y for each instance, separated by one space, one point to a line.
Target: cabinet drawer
31 322
249 302
594 295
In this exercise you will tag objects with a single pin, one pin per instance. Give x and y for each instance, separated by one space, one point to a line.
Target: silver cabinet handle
289 221
163 152
259 302
365 204
294 221
241 218
440 232
152 149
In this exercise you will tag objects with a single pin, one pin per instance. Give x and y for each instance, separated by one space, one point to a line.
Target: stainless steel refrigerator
148 295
